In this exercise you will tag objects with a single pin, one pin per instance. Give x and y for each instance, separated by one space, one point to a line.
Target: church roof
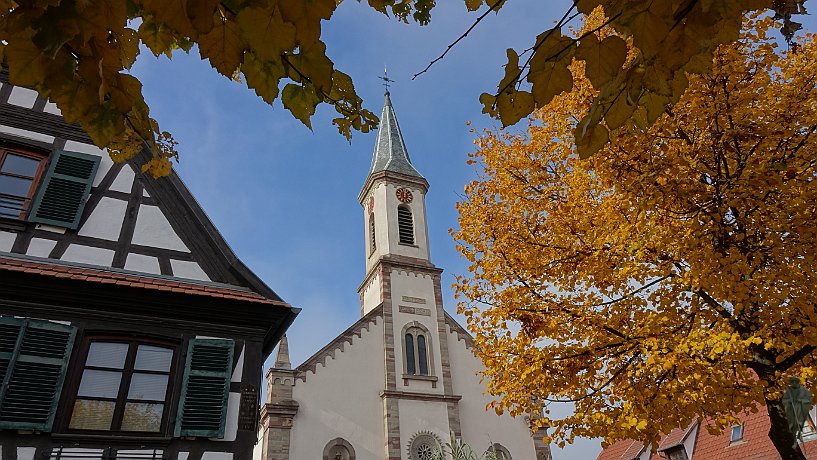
390 153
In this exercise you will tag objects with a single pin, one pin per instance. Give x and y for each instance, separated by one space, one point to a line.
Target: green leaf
488 101
263 76
301 101
55 28
590 137
172 14
74 98
201 14
603 59
224 47
549 80
473 5
103 123
128 42
266 32
513 106
27 63
650 27
158 38
313 63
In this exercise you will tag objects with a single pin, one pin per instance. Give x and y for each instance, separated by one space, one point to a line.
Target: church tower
394 211
401 278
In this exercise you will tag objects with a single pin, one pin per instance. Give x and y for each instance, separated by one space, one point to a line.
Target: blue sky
285 197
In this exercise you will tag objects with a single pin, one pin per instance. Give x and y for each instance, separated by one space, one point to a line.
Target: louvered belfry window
405 225
64 190
372 232
124 387
203 403
33 359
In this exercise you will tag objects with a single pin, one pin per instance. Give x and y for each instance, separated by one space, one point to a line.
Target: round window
422 446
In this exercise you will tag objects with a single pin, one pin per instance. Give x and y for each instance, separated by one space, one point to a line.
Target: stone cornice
392 177
337 344
412 264
462 333
419 396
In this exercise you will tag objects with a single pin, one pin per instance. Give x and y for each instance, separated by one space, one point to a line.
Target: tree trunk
782 439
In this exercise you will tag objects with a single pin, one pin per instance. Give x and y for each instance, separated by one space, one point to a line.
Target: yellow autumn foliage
77 53
670 277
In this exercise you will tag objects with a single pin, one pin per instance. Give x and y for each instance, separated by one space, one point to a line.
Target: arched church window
405 225
499 452
338 449
416 347
371 232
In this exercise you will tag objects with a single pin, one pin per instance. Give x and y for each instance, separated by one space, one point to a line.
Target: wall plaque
248 408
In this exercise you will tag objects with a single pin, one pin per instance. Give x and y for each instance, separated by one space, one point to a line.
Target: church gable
119 218
350 337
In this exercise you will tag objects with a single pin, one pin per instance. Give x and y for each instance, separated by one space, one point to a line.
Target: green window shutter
64 189
33 361
206 385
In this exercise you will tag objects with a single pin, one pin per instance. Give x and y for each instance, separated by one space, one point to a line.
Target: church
403 377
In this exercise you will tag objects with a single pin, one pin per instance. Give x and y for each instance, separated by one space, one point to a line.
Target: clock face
371 203
404 195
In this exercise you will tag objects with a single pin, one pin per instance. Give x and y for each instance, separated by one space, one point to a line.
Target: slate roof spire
390 153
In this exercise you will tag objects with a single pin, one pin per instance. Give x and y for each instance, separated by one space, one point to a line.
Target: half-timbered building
128 327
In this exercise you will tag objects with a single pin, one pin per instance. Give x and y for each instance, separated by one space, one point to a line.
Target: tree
671 276
77 53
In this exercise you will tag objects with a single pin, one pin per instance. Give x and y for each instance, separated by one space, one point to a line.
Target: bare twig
465 34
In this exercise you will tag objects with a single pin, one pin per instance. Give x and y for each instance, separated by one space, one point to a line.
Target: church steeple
394 211
390 152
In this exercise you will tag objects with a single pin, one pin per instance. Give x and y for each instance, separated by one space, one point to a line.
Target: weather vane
386 79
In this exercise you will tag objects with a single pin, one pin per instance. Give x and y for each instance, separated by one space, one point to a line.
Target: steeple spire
390 153
282 359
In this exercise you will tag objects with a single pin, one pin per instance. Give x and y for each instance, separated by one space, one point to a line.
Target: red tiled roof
124 279
633 451
617 450
675 437
755 445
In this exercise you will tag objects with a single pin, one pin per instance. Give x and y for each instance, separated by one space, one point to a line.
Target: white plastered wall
479 427
342 399
416 416
371 294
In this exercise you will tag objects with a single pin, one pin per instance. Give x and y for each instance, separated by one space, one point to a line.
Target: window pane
11 207
14 186
142 417
150 358
148 386
22 166
99 384
111 355
92 415
422 356
737 433
410 367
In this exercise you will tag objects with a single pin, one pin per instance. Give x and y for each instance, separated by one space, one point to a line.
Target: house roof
755 445
95 274
620 450
676 437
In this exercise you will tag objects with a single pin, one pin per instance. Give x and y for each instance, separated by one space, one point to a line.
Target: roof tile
109 277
